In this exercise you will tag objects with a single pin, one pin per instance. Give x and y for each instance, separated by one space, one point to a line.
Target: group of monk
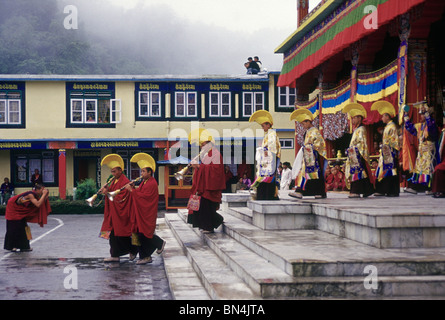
311 162
130 212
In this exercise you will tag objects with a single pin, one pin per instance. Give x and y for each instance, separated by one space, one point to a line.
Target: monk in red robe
32 206
144 209
438 184
116 226
208 183
336 180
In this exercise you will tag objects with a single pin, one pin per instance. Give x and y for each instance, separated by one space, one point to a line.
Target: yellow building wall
46 117
46 112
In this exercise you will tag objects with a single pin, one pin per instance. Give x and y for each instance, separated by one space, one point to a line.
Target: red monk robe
438 184
28 210
144 207
209 179
117 212
208 182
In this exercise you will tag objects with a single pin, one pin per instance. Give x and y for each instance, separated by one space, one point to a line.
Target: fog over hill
147 38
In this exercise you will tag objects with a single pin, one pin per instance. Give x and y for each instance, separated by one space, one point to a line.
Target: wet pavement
67 264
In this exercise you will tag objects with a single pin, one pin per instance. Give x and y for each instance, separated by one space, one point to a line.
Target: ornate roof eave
315 17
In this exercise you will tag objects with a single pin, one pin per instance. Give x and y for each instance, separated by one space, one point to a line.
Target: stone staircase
336 248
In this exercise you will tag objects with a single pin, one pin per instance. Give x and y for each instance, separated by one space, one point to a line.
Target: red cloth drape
28 210
117 212
144 207
387 11
208 179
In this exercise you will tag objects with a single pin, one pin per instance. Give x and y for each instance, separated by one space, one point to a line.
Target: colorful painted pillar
355 56
320 100
416 83
299 98
404 33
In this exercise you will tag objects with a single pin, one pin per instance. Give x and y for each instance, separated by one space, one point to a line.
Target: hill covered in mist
111 40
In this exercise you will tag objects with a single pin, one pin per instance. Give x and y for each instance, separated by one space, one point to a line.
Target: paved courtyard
68 249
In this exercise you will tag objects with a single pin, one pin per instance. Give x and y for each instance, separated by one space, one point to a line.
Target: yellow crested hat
261 116
144 161
355 109
301 115
200 135
384 107
113 161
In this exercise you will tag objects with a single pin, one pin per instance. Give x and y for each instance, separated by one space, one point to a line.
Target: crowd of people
416 160
130 212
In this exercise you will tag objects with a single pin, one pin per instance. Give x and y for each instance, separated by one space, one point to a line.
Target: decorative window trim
88 112
253 104
287 143
45 161
85 103
186 105
219 104
7 112
149 104
115 111
288 96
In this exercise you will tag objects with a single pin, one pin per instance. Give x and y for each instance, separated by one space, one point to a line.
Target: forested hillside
114 39
33 40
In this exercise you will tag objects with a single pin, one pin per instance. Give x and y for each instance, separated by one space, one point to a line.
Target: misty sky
191 36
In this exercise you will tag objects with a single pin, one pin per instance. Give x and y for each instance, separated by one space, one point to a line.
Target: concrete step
219 280
243 213
238 199
315 264
394 225
314 253
423 287
183 280
282 215
253 269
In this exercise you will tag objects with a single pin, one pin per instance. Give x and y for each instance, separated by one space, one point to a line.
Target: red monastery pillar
62 174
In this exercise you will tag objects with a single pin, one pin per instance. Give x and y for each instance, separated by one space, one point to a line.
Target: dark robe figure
144 213
116 225
36 178
208 182
20 211
438 183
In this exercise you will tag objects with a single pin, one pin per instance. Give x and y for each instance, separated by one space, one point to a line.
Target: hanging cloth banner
378 85
335 100
374 86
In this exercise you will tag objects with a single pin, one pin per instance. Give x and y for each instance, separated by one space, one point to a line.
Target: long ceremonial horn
91 199
112 194
180 174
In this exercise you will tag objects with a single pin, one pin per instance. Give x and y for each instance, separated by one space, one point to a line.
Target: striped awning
342 26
